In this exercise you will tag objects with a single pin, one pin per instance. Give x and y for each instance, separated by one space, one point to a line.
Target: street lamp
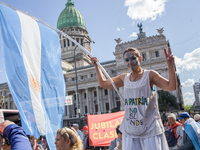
77 93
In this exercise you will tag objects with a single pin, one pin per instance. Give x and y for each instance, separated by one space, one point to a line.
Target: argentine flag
32 59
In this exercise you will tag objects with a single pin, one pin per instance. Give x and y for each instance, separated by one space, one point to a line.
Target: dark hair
117 130
6 139
163 121
132 49
32 137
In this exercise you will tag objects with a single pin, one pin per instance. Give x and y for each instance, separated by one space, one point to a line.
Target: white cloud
134 34
118 29
145 9
187 94
187 83
193 75
189 101
190 61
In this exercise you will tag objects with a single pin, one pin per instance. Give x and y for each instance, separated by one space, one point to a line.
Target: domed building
72 23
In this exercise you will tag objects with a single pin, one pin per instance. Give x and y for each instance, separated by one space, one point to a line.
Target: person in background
4 143
197 118
76 127
1 142
68 139
36 143
40 143
116 144
86 144
39 147
191 136
165 124
16 135
85 140
177 129
33 141
46 147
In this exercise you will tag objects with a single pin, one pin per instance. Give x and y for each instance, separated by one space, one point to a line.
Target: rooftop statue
118 40
160 31
140 27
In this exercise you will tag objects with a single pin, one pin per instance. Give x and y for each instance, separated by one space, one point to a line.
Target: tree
166 99
189 107
115 110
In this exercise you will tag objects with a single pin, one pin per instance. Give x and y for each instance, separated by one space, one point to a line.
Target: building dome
70 17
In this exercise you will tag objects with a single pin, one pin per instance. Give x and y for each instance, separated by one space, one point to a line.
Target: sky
107 20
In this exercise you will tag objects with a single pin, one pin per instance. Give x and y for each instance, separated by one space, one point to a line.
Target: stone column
80 101
102 101
97 90
114 99
87 101
148 55
91 104
121 90
61 43
67 107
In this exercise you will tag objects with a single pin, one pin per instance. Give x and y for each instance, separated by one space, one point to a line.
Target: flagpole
67 36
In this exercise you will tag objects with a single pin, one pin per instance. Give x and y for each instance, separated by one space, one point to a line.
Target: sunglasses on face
132 58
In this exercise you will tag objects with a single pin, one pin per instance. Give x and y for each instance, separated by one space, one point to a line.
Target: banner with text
102 128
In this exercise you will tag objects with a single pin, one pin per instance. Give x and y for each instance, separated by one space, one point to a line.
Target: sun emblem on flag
35 84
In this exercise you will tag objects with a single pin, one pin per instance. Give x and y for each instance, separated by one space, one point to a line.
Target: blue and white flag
192 129
32 59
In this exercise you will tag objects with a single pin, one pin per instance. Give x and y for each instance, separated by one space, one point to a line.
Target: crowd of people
141 127
182 133
13 137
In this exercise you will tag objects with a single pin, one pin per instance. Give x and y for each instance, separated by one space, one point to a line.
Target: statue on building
141 34
140 27
118 40
160 31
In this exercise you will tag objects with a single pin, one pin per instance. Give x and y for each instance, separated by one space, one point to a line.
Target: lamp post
77 93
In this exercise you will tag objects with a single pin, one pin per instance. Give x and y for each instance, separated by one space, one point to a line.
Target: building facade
196 88
92 98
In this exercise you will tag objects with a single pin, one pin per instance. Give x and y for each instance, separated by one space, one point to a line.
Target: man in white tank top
141 127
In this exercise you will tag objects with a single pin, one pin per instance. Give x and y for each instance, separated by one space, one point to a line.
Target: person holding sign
141 126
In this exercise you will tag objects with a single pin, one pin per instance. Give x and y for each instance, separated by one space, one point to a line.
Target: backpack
171 139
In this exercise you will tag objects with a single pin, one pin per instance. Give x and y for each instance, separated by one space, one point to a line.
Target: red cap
85 128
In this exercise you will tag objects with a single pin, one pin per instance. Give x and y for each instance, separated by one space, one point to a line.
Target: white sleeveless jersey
142 117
